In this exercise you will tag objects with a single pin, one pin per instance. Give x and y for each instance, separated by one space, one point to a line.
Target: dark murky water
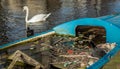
12 17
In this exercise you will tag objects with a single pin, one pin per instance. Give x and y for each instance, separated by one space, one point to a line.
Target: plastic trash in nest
70 51
67 63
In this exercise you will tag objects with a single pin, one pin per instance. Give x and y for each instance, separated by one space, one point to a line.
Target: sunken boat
65 46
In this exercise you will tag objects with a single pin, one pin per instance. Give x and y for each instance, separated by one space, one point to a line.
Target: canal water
12 16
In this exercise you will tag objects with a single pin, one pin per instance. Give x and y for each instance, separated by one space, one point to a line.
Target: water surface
12 17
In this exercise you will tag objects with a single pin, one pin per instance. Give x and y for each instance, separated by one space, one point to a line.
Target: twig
57 41
71 56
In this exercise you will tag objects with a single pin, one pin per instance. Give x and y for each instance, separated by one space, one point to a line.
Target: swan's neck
27 12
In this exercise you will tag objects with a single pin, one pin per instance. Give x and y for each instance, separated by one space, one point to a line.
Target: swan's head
25 8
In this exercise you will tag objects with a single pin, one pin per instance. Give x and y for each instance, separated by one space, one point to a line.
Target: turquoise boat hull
111 23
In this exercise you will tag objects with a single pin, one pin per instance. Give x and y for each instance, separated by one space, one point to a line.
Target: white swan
36 18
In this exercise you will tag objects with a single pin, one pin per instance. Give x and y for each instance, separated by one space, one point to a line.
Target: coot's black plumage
95 51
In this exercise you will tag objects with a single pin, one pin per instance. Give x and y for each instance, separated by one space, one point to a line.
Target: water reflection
3 27
110 6
12 16
95 6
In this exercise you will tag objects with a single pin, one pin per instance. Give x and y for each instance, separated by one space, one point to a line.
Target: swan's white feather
37 18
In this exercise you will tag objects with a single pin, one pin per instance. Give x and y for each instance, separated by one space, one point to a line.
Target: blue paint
111 23
108 17
14 42
68 28
105 59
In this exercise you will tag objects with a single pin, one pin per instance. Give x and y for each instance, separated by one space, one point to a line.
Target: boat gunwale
27 39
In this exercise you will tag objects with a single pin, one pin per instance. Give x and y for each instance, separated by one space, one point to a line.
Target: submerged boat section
27 39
